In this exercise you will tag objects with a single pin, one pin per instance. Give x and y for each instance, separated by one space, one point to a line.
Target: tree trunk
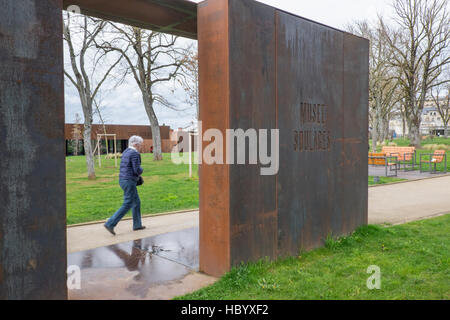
378 123
382 128
74 147
156 134
415 134
88 150
387 130
403 127
446 130
410 130
374 138
157 150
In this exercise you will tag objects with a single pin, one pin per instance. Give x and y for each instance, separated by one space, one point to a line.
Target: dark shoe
140 228
111 230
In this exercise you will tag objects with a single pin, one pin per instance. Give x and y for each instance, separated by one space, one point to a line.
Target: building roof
428 109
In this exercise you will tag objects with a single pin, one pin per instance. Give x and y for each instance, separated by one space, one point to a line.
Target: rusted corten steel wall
123 132
263 68
32 169
214 88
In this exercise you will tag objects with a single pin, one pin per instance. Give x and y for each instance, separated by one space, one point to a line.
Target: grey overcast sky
123 105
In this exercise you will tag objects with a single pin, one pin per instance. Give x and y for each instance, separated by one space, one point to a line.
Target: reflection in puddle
137 265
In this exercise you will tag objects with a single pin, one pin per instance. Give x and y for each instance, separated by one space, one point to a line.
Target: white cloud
335 13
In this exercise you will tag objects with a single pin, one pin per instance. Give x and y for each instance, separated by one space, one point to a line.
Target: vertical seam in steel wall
65 170
227 126
276 124
343 132
366 134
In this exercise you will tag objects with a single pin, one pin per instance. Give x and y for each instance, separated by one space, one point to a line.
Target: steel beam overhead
178 17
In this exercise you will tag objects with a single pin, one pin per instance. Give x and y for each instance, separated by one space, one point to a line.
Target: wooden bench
377 158
405 155
381 159
439 156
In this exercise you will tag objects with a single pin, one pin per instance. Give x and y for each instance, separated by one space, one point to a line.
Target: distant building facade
123 133
431 121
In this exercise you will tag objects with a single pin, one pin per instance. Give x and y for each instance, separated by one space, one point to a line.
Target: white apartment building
431 123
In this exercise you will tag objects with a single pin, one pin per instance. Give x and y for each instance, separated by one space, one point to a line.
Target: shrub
432 147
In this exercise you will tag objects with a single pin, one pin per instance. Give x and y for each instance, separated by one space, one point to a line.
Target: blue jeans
130 201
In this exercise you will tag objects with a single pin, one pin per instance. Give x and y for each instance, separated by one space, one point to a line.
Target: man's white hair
134 140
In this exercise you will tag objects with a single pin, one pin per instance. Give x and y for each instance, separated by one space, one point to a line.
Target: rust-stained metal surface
133 270
32 166
178 17
253 210
213 50
310 181
273 70
356 124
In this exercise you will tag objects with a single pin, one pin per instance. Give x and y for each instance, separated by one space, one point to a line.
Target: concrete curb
420 218
130 218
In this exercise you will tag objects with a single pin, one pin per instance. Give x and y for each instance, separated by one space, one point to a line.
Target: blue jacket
130 166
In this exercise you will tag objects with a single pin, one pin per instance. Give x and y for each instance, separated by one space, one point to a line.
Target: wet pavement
137 269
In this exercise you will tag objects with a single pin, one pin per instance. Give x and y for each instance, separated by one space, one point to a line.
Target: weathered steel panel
308 80
213 51
32 170
310 62
253 212
356 91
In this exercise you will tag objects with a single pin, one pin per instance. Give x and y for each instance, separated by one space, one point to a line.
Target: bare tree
87 80
420 45
383 86
189 78
152 59
99 112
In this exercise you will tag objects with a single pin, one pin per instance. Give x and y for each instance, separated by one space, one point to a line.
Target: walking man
130 170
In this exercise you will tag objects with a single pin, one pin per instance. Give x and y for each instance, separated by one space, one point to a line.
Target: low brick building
123 133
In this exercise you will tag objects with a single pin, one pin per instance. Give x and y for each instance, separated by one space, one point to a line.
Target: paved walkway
408 201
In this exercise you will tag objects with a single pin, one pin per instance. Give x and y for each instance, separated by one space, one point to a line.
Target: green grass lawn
435 140
414 260
167 187
384 180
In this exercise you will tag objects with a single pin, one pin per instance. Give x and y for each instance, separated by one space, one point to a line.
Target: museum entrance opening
157 53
